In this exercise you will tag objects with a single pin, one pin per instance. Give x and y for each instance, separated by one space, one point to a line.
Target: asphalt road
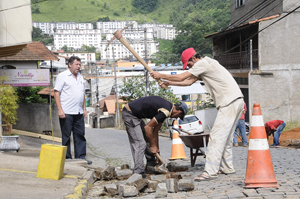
114 146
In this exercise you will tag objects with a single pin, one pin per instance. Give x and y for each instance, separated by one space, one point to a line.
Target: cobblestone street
285 164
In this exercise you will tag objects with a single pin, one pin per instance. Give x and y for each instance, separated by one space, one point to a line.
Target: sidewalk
18 172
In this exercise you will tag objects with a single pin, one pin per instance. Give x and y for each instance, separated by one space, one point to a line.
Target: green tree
37 35
65 48
29 95
134 88
145 6
195 19
8 102
86 48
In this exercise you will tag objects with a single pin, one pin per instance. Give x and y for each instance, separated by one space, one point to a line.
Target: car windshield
188 119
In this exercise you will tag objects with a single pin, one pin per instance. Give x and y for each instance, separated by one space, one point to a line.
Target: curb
82 186
79 190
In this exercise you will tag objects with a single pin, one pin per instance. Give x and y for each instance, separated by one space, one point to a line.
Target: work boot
150 167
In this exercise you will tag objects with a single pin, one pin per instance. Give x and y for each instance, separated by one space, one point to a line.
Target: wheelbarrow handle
184 131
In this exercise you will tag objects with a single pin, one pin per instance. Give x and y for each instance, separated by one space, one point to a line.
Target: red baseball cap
186 55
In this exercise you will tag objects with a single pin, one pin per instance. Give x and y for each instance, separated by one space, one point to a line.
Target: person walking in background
275 127
228 99
242 128
157 109
69 92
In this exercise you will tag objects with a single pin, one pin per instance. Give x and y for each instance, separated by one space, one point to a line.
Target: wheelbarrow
195 142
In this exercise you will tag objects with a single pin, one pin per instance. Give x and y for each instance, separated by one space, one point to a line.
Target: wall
207 116
278 92
36 118
251 13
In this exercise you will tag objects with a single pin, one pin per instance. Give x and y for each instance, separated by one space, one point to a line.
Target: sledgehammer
163 167
118 35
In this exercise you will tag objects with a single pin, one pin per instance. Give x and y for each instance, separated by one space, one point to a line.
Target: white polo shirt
218 81
71 92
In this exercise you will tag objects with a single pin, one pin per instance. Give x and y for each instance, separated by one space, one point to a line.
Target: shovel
163 167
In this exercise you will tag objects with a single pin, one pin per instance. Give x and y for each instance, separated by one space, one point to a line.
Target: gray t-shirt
219 83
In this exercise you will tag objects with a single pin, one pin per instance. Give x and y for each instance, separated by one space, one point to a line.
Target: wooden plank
36 135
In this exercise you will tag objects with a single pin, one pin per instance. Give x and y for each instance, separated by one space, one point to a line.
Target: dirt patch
286 138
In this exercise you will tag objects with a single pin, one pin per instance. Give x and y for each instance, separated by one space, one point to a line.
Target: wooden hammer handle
160 158
127 45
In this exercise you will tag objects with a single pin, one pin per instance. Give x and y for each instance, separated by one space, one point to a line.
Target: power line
261 30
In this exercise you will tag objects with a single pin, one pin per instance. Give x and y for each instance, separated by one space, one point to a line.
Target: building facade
260 49
76 38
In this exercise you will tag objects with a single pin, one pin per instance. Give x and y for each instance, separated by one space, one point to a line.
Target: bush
8 102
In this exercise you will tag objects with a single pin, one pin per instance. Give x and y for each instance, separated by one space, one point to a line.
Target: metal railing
238 60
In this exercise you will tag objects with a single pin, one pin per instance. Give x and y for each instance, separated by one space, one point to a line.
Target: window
239 3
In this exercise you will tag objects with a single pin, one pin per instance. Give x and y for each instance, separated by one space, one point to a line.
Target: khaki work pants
219 149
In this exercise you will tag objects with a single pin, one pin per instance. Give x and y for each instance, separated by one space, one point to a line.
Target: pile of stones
126 184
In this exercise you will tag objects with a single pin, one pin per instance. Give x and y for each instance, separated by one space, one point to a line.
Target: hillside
193 18
91 10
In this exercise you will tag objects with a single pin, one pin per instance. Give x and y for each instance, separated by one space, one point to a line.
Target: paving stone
108 173
123 174
111 189
133 178
185 185
161 190
172 185
127 190
159 178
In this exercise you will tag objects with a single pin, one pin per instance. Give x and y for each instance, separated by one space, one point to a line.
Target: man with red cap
228 99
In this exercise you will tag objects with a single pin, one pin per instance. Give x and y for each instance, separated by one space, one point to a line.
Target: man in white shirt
228 99
69 92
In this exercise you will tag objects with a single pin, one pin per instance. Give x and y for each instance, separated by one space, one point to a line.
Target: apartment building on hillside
49 28
76 38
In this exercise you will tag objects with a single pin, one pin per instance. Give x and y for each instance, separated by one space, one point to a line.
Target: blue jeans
242 127
277 134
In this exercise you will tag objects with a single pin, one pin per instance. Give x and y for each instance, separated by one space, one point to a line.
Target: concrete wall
207 116
278 97
276 88
36 118
252 11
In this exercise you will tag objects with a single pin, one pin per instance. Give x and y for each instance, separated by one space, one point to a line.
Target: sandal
203 177
221 172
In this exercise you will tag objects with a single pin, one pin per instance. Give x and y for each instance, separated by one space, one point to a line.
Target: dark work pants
75 124
135 128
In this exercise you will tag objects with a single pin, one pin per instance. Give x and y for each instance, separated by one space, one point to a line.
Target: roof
109 102
45 91
35 51
241 26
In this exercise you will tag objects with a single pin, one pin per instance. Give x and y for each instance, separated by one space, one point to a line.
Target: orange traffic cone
260 171
177 146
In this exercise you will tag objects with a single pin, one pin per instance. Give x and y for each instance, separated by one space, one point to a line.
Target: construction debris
133 184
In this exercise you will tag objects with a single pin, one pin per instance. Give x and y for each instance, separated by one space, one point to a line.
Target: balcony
238 60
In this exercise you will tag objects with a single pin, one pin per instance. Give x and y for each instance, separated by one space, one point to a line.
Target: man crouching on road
157 109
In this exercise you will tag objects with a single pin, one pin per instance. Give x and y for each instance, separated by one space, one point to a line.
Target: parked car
191 123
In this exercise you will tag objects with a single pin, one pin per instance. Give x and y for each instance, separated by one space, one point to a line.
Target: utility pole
251 62
147 73
97 92
116 90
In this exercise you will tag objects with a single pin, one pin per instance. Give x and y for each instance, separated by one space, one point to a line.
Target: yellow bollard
52 161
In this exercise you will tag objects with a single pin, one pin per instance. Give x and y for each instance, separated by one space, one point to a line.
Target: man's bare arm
61 113
151 131
177 77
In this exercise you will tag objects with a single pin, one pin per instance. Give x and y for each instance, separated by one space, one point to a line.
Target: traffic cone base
260 172
177 145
